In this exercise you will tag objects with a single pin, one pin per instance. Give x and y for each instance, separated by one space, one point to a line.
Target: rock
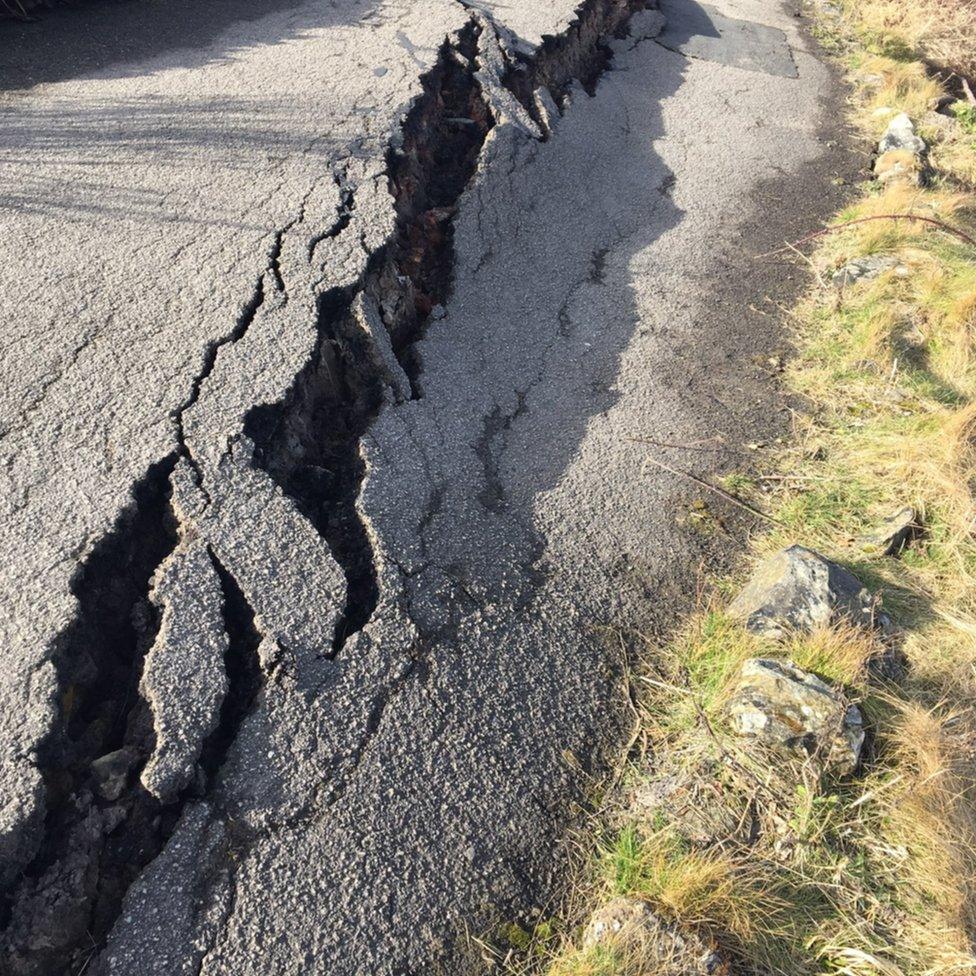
788 709
901 153
900 134
798 589
899 164
895 532
630 924
866 269
111 772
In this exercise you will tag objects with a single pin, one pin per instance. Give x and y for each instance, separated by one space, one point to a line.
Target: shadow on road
110 36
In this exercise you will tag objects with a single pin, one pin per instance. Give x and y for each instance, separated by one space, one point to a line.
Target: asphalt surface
353 732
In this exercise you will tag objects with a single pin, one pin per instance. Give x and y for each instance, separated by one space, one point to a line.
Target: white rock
900 134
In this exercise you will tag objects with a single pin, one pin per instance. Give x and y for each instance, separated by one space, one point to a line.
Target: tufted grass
873 875
938 32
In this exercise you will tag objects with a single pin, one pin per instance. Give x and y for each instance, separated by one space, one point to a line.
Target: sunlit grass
874 875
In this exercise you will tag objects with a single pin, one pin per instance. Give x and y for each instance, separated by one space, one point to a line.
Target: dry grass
940 32
874 875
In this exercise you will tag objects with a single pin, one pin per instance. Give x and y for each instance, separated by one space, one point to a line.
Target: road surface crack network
407 280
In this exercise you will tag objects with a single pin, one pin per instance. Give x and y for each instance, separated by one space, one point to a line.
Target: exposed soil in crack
101 826
443 136
578 54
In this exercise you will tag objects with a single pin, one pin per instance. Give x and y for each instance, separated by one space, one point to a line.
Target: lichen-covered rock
630 924
901 153
894 533
901 134
785 708
866 269
798 589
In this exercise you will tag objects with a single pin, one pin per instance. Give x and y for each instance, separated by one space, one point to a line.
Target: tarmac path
334 335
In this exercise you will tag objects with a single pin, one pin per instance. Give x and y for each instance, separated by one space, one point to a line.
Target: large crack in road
336 650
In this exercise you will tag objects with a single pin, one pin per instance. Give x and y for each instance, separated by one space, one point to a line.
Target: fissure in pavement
95 843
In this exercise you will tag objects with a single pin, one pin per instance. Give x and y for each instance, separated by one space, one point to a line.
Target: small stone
630 924
867 269
798 589
900 135
898 164
788 709
111 771
895 532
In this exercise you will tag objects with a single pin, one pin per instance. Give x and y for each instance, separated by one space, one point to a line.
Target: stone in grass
867 269
631 926
894 533
786 709
899 164
901 135
798 589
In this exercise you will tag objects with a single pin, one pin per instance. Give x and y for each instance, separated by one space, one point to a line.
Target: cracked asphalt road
328 371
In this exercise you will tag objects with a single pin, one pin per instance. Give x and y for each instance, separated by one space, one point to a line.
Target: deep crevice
442 140
310 444
96 842
243 669
101 827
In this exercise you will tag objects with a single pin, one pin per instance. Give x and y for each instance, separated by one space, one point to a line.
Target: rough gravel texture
232 363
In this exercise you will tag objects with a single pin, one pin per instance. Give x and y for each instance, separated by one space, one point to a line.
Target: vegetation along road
397 397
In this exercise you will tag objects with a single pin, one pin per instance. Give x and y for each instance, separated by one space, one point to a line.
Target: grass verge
779 868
